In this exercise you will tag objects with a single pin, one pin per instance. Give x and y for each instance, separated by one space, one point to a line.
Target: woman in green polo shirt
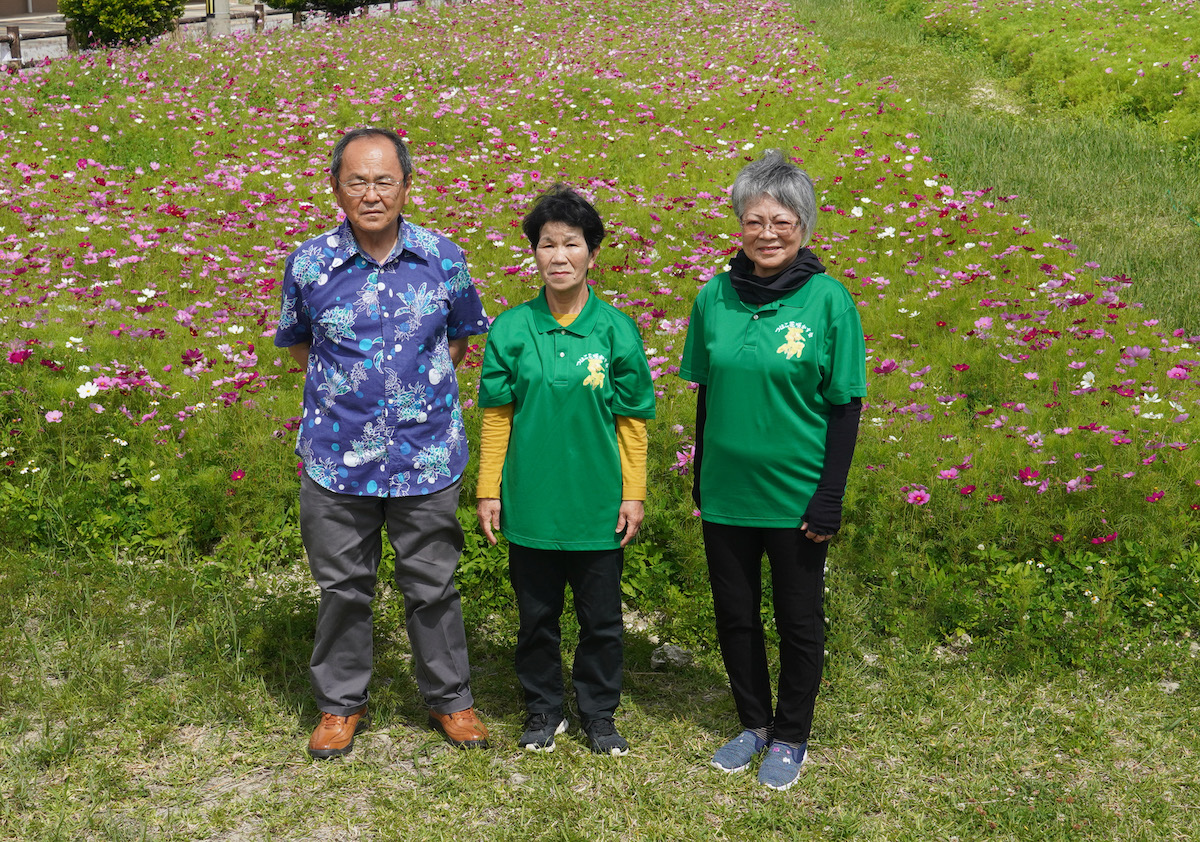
776 348
566 392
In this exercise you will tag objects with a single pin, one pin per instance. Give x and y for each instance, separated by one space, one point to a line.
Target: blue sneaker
781 767
739 752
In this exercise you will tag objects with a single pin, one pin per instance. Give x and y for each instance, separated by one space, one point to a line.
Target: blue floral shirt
381 410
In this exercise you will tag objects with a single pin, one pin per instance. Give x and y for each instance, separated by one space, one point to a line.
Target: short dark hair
562 204
335 165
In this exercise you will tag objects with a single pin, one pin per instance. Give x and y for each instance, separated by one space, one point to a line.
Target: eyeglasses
384 187
782 228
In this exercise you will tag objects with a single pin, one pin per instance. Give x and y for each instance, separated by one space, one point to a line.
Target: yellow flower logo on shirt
595 366
798 334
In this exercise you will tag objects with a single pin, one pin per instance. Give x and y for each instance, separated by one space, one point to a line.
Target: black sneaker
603 737
540 730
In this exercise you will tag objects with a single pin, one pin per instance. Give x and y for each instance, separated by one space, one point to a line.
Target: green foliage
115 22
482 575
1110 59
333 8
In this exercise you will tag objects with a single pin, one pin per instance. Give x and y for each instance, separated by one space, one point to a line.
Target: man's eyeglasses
383 187
782 228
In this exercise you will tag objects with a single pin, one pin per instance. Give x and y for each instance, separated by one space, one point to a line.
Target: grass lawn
140 707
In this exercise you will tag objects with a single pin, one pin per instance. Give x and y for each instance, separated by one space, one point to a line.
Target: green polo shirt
561 484
772 374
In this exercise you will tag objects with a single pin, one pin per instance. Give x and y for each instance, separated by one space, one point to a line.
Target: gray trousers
342 535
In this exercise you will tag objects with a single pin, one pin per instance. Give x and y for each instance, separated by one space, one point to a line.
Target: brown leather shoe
334 736
462 729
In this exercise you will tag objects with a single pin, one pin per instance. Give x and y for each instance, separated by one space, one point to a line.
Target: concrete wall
26 7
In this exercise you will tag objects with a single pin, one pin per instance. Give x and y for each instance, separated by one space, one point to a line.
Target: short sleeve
633 388
496 378
294 326
467 316
693 365
845 375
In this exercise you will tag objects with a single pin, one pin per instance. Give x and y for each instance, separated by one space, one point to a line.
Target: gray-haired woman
776 347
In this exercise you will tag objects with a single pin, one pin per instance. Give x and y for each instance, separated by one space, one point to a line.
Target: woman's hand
813 536
629 517
488 512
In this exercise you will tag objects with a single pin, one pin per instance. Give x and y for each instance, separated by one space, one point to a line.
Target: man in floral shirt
378 312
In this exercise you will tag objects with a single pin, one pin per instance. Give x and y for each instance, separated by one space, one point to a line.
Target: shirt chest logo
596 365
796 337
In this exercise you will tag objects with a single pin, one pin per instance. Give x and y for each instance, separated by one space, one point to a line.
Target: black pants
539 579
798 583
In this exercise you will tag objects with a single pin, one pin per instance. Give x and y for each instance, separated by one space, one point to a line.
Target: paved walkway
35 49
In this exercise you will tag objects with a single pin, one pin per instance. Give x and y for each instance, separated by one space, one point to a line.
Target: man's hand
630 517
300 354
458 350
488 512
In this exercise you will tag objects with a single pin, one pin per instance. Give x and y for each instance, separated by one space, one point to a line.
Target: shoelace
602 728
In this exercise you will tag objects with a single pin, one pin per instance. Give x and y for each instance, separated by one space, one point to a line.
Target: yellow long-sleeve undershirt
632 444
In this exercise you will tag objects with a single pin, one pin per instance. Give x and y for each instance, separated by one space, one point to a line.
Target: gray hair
773 175
335 165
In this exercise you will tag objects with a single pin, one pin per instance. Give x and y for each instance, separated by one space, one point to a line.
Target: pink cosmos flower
918 497
1155 497
683 460
949 473
19 357
967 490
1175 373
237 475
995 498
1104 539
53 416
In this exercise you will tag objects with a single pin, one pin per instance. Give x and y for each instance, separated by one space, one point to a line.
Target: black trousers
539 579
798 583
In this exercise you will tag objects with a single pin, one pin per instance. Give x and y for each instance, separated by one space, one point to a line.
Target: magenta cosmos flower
917 497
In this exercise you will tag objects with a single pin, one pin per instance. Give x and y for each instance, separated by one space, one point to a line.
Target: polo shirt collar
544 321
409 239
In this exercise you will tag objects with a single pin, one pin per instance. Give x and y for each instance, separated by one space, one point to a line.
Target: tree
113 22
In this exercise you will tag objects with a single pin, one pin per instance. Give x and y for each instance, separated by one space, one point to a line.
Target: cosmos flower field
1030 444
